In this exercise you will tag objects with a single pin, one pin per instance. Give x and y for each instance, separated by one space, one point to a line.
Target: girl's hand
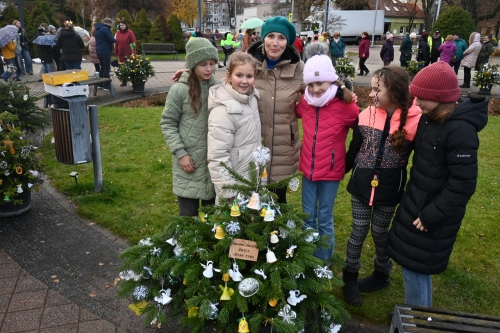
418 224
178 74
354 98
187 164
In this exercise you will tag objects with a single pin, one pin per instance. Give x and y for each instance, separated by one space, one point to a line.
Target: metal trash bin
70 122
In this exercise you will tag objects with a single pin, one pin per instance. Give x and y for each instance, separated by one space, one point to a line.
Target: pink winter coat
447 51
323 152
92 51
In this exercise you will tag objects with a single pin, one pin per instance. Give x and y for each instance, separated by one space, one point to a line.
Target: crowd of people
413 223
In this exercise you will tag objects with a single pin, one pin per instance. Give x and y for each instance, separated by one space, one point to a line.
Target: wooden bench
419 319
98 81
159 48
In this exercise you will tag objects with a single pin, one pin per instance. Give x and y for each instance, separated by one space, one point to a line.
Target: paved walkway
58 272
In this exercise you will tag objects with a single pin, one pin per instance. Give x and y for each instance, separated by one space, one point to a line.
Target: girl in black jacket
71 44
442 180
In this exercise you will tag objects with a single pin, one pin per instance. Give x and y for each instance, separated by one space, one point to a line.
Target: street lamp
83 17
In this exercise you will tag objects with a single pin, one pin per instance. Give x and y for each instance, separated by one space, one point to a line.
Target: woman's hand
178 74
187 164
418 224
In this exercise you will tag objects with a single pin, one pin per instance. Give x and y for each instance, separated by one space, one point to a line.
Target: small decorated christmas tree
237 267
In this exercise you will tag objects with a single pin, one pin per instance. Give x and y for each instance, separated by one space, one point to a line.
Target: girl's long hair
194 91
396 82
442 112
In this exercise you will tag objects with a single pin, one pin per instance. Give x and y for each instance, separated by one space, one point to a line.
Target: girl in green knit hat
184 125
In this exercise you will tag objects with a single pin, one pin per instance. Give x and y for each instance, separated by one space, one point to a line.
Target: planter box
67 91
61 77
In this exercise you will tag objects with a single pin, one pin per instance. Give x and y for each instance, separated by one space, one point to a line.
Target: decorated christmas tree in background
239 266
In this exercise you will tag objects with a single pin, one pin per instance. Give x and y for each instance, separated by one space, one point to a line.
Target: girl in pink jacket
447 50
327 113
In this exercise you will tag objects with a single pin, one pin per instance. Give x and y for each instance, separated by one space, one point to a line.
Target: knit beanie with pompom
318 67
437 82
199 50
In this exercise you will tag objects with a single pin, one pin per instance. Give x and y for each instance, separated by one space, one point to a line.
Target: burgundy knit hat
437 82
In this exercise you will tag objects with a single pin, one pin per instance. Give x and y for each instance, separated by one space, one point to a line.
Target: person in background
92 52
9 55
443 178
387 51
228 46
337 47
299 45
27 65
423 50
327 111
198 33
406 49
56 53
125 44
378 154
470 57
364 53
434 43
71 45
17 52
486 51
104 47
247 39
447 50
45 53
459 53
184 125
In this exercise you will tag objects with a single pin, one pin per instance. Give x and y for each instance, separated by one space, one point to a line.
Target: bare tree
428 9
411 5
302 8
352 4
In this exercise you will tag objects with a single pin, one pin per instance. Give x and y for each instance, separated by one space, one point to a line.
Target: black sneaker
464 86
361 74
367 73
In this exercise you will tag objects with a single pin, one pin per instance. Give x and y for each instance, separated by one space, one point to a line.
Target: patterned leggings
380 217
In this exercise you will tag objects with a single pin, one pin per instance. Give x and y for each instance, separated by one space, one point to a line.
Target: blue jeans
318 200
73 64
27 65
6 73
46 67
105 62
418 288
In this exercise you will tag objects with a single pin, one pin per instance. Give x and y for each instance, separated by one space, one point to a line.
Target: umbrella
252 23
7 34
84 34
45 40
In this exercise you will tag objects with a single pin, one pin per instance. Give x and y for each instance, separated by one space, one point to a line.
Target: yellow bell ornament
219 232
273 302
243 326
235 209
226 277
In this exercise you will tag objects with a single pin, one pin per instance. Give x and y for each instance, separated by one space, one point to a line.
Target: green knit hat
198 50
281 25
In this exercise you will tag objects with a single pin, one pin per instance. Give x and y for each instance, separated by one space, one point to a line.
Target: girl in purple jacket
327 111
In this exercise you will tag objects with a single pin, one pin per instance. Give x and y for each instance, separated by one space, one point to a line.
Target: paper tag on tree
244 250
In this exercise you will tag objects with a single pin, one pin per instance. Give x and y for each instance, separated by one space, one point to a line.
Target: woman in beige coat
470 58
279 81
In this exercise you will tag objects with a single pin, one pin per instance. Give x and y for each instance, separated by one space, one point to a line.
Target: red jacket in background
298 45
323 152
364 47
122 46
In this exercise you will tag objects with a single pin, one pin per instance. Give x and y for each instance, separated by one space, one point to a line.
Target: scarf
323 99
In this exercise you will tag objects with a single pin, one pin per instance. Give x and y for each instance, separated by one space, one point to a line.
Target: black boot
351 289
373 282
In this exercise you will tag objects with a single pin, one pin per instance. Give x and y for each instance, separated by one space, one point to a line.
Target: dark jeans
73 64
1 66
105 62
404 63
189 207
387 63
467 76
362 67
456 66
97 68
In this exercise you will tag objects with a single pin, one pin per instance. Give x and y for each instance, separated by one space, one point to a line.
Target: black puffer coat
71 44
442 180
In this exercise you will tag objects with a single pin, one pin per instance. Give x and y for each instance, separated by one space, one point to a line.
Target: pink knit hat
318 67
437 82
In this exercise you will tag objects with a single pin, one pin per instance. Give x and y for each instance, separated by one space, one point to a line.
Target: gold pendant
374 183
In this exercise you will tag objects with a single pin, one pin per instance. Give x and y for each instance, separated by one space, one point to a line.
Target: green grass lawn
137 201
